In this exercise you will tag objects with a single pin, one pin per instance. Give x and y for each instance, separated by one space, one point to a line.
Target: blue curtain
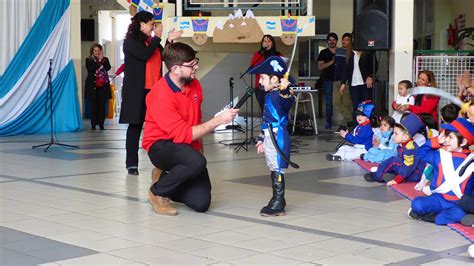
29 49
66 112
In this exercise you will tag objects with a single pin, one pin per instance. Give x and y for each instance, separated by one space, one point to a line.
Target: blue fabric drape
66 110
29 49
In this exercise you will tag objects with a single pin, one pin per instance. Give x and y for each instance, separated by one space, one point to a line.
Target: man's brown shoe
155 175
161 205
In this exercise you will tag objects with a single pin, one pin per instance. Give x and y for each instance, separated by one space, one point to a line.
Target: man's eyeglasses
193 64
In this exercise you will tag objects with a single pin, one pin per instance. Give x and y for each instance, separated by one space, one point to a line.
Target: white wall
341 17
401 54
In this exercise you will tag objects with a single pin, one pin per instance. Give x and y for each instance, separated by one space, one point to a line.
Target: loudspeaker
372 25
87 30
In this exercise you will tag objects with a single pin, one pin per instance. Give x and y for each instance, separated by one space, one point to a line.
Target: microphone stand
232 126
52 141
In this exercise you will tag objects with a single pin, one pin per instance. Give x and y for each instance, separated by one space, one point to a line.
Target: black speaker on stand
372 20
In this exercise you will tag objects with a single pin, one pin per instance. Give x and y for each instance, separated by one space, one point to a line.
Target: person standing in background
360 75
97 85
326 64
342 101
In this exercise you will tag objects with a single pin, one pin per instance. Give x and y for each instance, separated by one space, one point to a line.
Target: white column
309 7
113 43
76 56
179 8
401 54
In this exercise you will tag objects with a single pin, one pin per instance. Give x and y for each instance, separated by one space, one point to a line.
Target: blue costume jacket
407 166
362 134
275 112
444 205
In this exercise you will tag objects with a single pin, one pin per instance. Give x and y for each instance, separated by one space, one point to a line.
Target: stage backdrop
23 85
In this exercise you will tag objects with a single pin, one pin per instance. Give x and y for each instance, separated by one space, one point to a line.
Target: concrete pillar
309 7
76 56
179 8
401 54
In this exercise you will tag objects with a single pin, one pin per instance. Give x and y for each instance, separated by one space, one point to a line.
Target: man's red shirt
171 113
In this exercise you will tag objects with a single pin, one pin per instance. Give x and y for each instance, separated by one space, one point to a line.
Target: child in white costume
402 98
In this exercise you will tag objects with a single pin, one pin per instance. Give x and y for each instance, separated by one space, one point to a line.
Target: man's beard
186 80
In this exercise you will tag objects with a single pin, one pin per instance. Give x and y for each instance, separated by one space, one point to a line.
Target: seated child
277 105
448 185
402 98
383 146
429 131
361 136
408 165
449 113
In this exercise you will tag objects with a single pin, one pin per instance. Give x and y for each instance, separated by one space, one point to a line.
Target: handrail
443 51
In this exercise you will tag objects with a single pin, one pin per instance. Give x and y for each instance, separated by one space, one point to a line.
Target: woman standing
359 73
138 47
267 49
97 86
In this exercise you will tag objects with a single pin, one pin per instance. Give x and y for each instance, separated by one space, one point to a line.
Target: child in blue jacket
361 137
408 165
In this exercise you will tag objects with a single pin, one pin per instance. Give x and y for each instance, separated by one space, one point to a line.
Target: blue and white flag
145 5
23 86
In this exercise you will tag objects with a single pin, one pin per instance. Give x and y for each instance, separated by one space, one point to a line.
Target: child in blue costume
383 145
407 166
361 137
447 186
278 102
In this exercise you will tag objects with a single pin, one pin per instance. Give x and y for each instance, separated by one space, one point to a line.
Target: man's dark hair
177 53
450 112
333 35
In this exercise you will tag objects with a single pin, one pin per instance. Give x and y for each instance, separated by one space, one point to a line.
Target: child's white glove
420 185
427 191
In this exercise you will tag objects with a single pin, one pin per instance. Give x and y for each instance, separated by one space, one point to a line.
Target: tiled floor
80 207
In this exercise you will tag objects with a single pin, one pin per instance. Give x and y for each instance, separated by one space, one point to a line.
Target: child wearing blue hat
452 174
277 104
361 136
407 166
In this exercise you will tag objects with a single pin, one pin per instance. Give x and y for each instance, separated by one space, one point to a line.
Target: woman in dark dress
138 47
97 86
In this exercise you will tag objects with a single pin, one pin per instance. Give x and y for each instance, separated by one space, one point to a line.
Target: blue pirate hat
464 127
273 65
365 108
412 123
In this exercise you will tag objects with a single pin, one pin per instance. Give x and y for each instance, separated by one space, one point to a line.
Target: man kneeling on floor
173 132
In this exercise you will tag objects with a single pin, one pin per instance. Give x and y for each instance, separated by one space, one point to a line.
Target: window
308 56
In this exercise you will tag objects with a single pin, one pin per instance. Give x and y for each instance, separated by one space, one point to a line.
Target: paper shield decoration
158 12
200 24
289 24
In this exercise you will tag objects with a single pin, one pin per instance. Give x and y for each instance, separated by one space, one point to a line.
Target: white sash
452 180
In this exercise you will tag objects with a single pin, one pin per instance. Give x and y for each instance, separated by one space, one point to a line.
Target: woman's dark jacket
132 110
92 65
